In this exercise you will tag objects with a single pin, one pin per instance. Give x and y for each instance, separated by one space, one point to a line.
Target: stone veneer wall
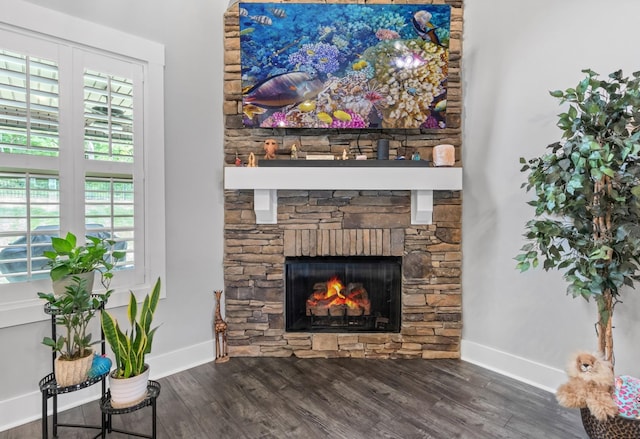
342 223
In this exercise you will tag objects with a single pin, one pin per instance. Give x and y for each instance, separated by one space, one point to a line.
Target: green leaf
573 113
118 255
59 272
607 171
109 326
592 109
61 245
132 309
582 86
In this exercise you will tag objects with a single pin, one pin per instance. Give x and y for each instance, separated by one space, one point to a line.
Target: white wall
514 53
192 33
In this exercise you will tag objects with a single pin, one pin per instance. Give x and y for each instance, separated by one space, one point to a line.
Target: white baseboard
27 407
521 369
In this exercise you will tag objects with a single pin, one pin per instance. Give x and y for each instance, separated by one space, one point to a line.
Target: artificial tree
587 196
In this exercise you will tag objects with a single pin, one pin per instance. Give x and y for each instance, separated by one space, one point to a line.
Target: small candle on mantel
444 155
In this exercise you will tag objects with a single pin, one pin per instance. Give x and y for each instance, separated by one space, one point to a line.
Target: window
75 156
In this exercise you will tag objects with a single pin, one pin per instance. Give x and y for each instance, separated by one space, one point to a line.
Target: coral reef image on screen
309 65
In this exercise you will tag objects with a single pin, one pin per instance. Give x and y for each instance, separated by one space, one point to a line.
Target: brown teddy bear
591 385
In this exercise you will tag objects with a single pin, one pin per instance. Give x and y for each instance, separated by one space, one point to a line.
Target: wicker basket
69 373
612 428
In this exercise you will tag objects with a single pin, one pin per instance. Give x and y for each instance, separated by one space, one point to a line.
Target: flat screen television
318 65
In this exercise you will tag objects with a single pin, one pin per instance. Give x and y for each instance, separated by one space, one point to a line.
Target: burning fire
332 296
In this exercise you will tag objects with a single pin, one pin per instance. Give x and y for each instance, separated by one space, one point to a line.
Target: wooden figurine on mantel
251 163
270 149
220 330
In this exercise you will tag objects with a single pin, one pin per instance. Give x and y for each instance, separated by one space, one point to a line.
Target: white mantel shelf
265 182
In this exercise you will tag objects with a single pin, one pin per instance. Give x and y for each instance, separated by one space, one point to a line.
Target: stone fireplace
274 216
346 224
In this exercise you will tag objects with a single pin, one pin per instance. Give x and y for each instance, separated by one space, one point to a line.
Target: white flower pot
60 285
126 392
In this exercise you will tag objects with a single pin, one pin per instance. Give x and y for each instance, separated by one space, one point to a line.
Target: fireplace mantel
265 182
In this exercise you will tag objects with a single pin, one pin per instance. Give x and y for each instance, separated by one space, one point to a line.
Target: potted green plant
587 197
128 381
67 259
74 309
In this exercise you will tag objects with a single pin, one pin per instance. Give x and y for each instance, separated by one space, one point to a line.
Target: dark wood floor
338 399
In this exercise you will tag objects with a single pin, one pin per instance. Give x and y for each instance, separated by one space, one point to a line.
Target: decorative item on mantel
382 152
294 152
220 330
252 161
444 155
344 155
238 162
270 149
320 157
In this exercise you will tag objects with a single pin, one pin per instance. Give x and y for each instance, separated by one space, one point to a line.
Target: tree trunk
604 327
602 234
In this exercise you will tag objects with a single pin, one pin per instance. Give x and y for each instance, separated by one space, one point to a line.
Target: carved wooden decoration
252 161
220 329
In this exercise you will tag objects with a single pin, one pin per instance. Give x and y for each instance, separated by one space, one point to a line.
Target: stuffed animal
627 396
590 385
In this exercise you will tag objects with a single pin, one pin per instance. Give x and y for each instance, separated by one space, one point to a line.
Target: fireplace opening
343 294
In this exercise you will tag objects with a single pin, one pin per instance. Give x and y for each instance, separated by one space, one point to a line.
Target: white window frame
18 302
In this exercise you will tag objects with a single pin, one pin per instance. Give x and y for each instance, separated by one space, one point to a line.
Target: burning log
358 296
333 298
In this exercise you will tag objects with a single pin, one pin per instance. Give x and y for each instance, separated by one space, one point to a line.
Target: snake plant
131 346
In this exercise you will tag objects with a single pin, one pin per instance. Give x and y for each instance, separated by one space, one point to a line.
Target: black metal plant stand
153 390
50 389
